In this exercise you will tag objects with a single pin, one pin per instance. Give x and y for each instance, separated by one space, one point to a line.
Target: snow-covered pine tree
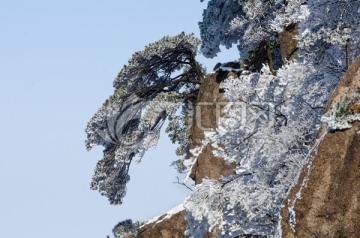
126 228
331 23
154 84
246 23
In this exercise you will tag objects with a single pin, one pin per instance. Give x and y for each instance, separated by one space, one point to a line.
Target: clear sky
57 63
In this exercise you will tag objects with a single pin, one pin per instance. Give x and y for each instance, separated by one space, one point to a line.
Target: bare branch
182 183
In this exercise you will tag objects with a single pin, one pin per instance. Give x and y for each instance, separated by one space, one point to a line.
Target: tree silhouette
154 84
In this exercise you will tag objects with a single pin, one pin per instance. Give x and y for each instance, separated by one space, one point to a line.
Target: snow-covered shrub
343 113
270 124
125 228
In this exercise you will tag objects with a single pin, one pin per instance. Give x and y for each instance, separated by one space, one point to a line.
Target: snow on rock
166 215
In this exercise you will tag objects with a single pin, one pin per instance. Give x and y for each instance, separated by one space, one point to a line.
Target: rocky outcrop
208 106
288 42
172 227
348 85
326 200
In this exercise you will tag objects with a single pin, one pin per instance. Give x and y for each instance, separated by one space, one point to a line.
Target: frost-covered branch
269 125
182 183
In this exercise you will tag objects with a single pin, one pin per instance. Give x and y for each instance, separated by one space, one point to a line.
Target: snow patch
166 215
309 162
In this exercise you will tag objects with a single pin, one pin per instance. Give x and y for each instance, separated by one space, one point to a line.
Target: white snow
166 215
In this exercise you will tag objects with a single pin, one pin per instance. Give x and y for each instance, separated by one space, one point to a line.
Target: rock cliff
172 227
325 201
208 104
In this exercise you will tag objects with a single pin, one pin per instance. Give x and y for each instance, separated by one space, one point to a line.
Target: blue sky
57 63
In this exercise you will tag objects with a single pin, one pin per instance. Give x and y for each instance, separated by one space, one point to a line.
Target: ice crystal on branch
148 90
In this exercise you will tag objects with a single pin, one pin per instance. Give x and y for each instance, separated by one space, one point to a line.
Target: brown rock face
330 202
173 227
288 43
349 83
208 107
